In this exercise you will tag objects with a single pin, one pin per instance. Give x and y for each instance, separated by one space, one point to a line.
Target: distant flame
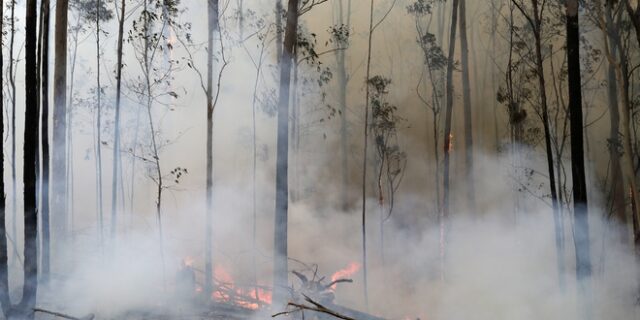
450 147
187 262
345 273
227 291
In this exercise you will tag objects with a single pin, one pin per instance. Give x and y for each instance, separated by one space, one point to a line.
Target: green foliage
87 10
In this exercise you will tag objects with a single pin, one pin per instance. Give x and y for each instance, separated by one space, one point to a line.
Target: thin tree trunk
98 142
213 28
12 83
342 96
58 177
447 134
116 125
4 259
282 162
536 25
466 101
364 161
581 222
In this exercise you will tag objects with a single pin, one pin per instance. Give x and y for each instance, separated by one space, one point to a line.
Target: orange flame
227 291
347 272
450 147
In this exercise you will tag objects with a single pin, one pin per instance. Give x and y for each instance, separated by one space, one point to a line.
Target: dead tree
581 222
282 162
43 56
59 168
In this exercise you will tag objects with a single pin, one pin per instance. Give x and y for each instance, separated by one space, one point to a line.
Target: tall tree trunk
447 133
536 25
98 142
364 161
58 165
282 162
5 302
581 222
466 99
116 124
618 206
213 27
44 125
547 140
29 176
12 82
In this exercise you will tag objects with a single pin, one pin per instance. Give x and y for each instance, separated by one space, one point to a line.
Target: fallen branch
317 307
62 315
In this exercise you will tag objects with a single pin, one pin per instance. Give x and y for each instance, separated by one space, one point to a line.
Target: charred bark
282 161
44 125
581 222
29 176
58 164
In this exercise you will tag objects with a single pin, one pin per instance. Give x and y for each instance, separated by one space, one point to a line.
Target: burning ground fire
228 291
253 297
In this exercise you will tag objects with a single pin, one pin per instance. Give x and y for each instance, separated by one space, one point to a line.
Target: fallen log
90 316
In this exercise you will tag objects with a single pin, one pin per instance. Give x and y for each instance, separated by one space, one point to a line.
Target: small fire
450 147
345 273
227 291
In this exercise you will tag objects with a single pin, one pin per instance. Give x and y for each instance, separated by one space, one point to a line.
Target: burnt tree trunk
282 162
29 176
44 123
58 163
581 224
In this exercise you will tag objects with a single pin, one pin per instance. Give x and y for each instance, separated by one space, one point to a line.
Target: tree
5 302
390 160
340 35
12 84
535 21
43 55
214 27
581 224
447 131
116 122
98 142
58 161
30 267
280 268
466 102
434 64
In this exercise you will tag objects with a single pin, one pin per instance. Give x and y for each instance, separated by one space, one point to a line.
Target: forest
320 159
